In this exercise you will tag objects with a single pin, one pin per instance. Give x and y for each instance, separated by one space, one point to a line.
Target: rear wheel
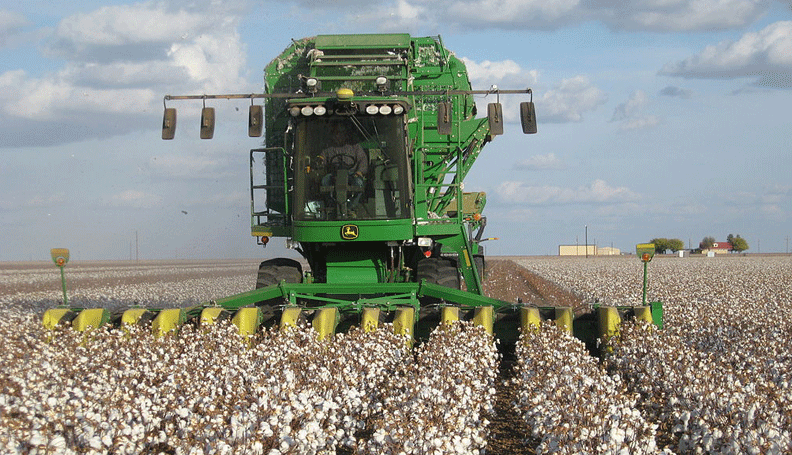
481 266
439 271
273 271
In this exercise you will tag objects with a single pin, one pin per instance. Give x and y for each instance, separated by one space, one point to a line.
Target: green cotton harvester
368 139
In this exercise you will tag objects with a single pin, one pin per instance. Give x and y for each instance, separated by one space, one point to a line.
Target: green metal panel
338 231
346 265
373 41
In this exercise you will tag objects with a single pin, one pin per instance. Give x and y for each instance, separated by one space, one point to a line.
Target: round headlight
307 110
398 109
294 111
372 109
381 80
385 109
320 110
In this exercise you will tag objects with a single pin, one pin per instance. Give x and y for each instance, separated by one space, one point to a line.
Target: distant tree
738 243
707 243
676 245
661 245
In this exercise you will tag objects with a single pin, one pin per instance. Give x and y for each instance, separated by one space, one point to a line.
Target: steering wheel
340 162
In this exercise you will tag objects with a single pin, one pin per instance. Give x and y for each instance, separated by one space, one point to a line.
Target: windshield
351 167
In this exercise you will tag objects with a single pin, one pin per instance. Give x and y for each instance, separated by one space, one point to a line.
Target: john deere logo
349 232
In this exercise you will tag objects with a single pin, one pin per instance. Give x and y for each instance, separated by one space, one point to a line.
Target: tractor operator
348 155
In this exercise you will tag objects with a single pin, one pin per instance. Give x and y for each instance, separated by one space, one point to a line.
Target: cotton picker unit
368 139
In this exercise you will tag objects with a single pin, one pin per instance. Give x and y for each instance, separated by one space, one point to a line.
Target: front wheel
273 271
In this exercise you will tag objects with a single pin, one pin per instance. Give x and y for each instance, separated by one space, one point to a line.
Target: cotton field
715 380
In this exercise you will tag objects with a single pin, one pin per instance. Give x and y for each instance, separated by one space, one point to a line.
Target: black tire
481 266
273 271
439 271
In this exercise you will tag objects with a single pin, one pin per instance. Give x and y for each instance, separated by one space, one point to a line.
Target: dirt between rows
505 280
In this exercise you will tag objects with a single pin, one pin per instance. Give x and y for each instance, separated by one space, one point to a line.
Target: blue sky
657 118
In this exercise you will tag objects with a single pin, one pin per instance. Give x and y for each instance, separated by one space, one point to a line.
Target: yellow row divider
209 316
53 317
644 313
530 319
290 317
247 320
484 316
608 321
325 321
90 318
369 320
168 321
563 319
403 323
449 314
133 316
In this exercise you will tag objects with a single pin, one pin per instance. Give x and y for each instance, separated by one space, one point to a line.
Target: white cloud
541 162
511 12
120 61
630 114
678 15
641 15
569 100
120 25
598 192
34 202
174 166
134 199
11 24
506 74
766 54
676 92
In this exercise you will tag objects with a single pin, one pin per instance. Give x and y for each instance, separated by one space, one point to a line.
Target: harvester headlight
320 110
385 109
372 109
425 241
307 110
382 83
294 111
398 109
312 84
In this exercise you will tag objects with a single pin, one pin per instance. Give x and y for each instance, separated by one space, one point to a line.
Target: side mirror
495 115
444 118
528 117
255 120
207 122
169 123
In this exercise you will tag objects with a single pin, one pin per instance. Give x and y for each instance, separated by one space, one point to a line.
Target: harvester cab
367 142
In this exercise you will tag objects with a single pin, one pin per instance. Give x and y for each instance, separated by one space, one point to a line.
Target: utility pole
787 249
137 251
586 246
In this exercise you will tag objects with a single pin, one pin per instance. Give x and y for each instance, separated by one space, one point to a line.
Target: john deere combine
368 139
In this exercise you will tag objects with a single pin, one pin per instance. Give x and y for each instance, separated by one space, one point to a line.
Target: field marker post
60 256
645 252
